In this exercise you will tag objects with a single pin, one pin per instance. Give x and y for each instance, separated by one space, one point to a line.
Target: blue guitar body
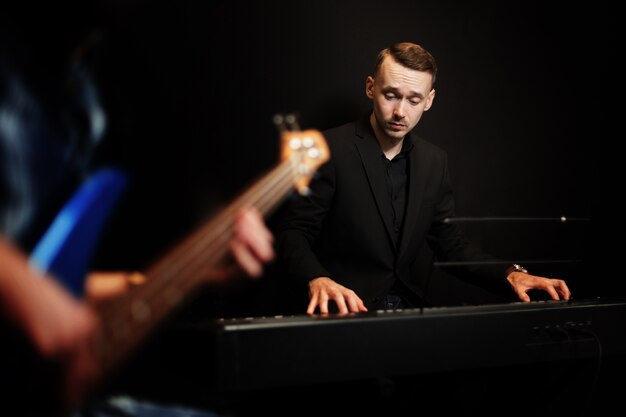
67 247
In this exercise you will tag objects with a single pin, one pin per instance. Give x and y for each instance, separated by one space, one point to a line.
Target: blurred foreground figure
51 123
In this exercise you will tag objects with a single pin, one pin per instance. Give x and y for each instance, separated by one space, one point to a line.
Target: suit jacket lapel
370 153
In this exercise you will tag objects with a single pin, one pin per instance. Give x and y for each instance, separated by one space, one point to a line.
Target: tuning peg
292 121
279 121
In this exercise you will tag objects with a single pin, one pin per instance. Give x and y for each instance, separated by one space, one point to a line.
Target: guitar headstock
307 150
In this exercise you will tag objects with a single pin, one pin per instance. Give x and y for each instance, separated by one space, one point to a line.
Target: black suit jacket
343 229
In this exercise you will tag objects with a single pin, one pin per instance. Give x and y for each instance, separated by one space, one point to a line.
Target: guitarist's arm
63 329
60 328
58 324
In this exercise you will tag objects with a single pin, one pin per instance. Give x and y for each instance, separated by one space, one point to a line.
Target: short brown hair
409 55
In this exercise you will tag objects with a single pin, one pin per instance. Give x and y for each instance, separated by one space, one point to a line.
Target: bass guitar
128 320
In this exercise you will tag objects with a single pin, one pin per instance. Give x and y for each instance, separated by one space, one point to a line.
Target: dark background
525 106
528 108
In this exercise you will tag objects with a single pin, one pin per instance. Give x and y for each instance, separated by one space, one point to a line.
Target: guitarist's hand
252 243
102 286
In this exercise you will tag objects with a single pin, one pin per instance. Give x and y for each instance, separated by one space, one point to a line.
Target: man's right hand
323 289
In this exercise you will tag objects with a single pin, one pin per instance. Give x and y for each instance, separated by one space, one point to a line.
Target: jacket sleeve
301 223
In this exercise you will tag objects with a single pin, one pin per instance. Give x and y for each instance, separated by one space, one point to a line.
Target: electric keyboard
269 352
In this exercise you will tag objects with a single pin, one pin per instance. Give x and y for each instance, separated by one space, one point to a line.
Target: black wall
524 106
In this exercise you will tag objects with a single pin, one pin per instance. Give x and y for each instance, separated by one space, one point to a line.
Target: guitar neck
127 320
192 263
